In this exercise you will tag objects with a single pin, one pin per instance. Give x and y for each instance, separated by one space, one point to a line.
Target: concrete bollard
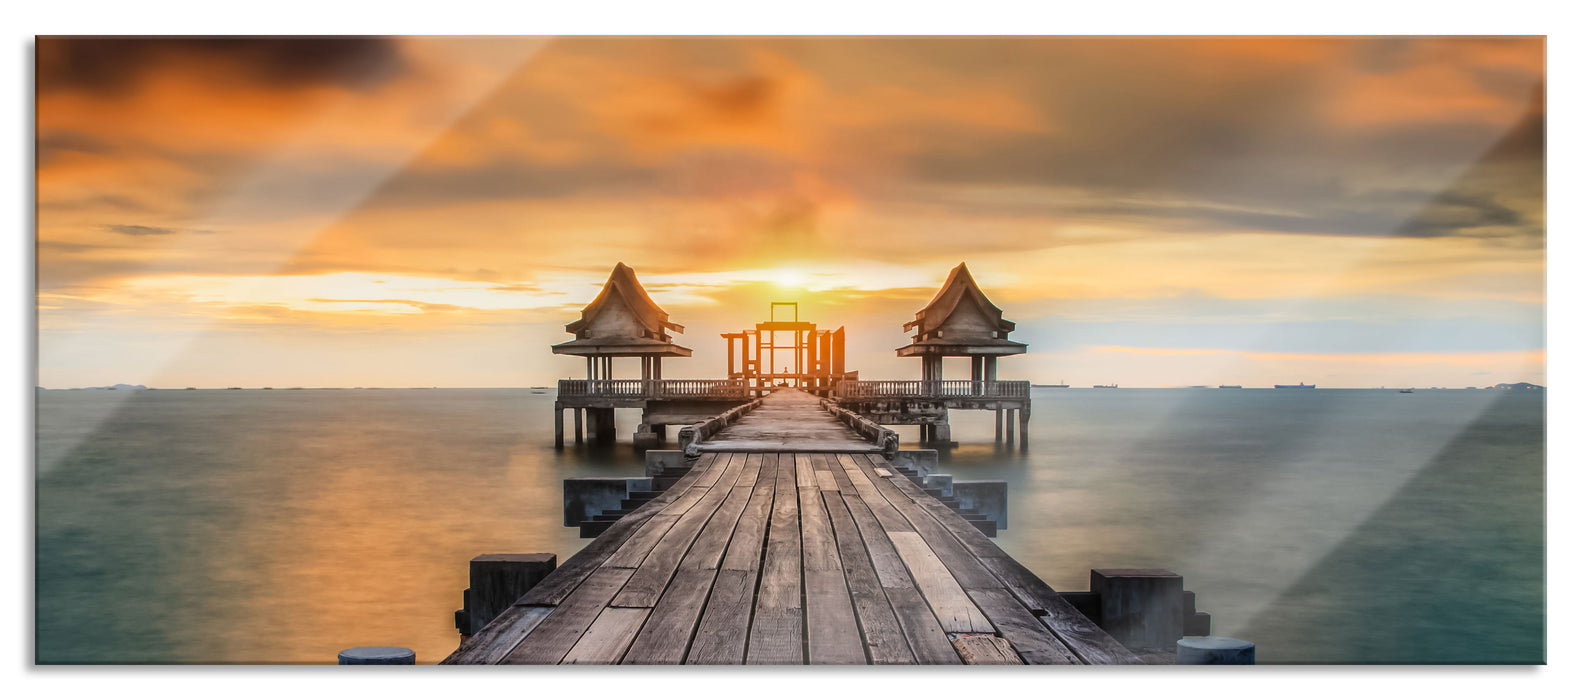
1225 651
497 580
377 656
924 461
987 497
656 461
587 496
1140 608
944 482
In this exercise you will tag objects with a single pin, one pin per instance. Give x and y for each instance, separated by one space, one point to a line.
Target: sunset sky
432 212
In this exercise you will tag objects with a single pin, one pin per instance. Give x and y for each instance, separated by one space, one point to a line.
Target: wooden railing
888 442
689 436
948 388
655 388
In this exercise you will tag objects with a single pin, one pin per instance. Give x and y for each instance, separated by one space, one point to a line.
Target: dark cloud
94 203
419 305
138 230
505 179
53 145
116 64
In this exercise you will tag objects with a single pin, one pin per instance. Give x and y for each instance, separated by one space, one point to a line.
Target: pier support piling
496 580
560 426
377 656
1140 608
987 497
576 419
1199 651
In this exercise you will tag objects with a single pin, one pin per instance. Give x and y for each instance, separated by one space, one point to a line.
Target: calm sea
1327 526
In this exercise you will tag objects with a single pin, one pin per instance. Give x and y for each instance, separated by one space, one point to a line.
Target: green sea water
1327 526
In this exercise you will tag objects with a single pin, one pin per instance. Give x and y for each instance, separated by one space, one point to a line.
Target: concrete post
944 482
587 496
987 497
1140 608
924 461
656 461
644 438
999 425
377 656
497 580
576 420
1010 425
1195 651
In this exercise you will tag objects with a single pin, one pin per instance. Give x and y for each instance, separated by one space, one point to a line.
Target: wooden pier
792 540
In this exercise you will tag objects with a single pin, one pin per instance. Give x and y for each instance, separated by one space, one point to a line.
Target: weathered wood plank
950 603
665 636
708 471
649 581
1091 644
636 548
877 504
886 563
804 472
721 636
986 650
709 548
970 537
838 472
923 633
1075 630
818 540
1036 643
881 634
552 638
498 638
747 542
607 638
832 634
961 563
776 636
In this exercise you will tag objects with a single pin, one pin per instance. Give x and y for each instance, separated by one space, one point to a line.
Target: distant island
1517 385
117 387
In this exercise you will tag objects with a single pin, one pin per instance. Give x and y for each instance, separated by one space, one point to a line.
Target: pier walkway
790 420
791 542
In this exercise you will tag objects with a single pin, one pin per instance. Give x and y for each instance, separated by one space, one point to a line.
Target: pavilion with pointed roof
960 321
622 321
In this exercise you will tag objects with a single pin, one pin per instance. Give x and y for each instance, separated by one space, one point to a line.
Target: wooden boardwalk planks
607 638
832 635
956 611
776 636
791 558
552 638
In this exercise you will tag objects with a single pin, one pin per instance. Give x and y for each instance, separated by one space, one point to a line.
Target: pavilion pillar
560 426
977 375
1026 418
990 368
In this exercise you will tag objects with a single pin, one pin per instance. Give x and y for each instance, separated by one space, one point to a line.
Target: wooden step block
593 528
986 527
